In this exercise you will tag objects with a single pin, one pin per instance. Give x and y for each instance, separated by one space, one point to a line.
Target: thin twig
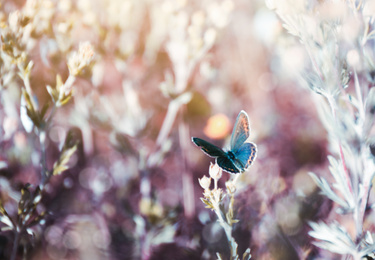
347 176
15 244
187 179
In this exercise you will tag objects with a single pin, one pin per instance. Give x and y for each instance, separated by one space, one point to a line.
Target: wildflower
207 193
148 207
231 187
210 37
205 182
82 59
217 196
215 171
14 21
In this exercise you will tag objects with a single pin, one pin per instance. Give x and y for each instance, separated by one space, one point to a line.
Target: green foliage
27 207
5 218
37 117
208 203
346 109
27 214
58 95
67 152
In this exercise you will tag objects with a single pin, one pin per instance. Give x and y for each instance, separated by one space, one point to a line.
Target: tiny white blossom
217 197
215 171
205 182
231 187
81 59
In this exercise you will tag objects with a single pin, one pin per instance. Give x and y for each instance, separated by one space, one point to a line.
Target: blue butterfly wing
241 154
245 156
241 131
226 164
208 148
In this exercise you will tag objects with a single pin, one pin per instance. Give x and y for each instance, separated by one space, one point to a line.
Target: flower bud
231 187
81 59
217 196
215 171
205 182
207 194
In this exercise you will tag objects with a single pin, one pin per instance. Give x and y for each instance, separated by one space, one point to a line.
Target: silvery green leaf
164 235
354 101
368 238
184 98
5 220
291 24
3 165
27 123
341 184
246 255
327 191
345 74
167 86
333 237
122 142
233 248
53 93
370 111
367 244
291 29
30 232
25 199
69 148
6 228
62 164
315 83
325 113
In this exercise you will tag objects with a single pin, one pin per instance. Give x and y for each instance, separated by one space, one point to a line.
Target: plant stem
26 82
187 178
347 177
43 159
361 211
227 228
15 244
169 119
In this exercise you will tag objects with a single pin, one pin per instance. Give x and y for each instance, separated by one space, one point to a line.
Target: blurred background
163 71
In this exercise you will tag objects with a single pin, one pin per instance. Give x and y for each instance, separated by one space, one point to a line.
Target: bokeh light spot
212 233
72 240
217 126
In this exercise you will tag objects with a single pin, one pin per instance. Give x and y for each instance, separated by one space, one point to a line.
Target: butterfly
241 154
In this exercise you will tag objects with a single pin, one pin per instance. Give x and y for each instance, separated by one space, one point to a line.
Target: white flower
217 196
231 187
78 61
205 182
215 171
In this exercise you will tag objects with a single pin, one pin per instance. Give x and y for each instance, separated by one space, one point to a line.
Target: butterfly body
241 154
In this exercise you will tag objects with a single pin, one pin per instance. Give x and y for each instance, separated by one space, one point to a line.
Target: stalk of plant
36 122
184 31
340 50
214 200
